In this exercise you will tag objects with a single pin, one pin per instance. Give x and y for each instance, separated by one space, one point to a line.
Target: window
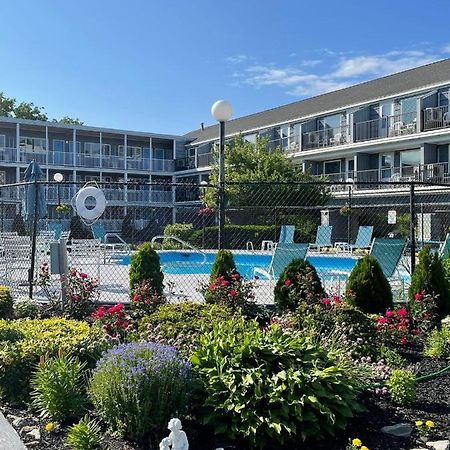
91 148
410 158
30 144
132 152
106 149
158 153
2 141
58 145
250 138
332 166
78 147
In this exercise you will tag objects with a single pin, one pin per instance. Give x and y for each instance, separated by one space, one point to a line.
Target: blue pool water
185 263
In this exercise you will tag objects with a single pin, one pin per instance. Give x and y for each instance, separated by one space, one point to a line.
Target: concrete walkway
9 439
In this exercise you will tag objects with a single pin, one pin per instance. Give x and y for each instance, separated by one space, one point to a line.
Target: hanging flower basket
62 209
345 211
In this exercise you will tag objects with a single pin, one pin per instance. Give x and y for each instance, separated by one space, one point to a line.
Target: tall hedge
429 276
368 288
223 265
298 282
145 266
6 303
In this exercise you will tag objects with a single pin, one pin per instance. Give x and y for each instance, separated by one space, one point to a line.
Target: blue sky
158 65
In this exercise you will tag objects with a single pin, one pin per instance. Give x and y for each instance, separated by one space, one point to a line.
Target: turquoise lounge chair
323 237
444 250
283 254
364 238
388 253
109 241
56 228
287 234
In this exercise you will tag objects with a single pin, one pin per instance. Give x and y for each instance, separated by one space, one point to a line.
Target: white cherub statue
177 439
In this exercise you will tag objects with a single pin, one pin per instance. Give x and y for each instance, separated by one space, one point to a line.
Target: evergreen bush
223 265
298 282
145 266
6 303
429 276
367 287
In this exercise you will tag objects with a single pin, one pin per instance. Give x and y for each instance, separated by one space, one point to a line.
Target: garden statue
177 439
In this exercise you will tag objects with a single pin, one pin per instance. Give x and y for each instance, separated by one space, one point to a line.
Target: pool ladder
189 246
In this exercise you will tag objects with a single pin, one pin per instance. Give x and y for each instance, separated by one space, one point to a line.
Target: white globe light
221 111
58 177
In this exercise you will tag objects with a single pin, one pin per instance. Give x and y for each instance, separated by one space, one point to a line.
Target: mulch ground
432 403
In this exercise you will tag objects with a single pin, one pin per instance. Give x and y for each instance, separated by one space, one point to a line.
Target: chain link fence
266 226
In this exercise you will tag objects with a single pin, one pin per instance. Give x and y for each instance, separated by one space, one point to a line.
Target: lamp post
221 111
58 177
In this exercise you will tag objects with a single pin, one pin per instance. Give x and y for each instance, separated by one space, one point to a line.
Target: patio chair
56 228
388 252
444 249
363 239
287 234
17 257
85 254
283 254
99 232
323 237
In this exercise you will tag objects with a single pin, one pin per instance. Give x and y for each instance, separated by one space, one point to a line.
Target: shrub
350 328
269 386
429 276
145 266
85 435
223 266
145 301
6 303
181 324
423 310
24 307
233 291
137 387
298 282
402 386
23 342
438 343
58 388
180 230
367 287
394 327
392 358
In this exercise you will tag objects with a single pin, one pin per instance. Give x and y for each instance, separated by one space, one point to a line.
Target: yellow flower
364 448
429 423
357 442
419 423
50 427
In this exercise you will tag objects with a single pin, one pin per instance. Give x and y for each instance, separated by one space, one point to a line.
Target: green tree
28 110
69 121
261 177
7 105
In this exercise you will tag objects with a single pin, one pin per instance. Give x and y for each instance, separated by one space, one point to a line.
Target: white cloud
344 69
236 59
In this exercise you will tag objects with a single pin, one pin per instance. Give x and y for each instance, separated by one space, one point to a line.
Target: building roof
402 82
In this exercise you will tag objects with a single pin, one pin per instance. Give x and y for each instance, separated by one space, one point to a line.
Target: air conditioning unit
433 114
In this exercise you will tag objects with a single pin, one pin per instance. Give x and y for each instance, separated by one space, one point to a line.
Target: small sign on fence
392 217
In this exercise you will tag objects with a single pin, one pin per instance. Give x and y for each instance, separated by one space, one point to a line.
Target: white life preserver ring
80 203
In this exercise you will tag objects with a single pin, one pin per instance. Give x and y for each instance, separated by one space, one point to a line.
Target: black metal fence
337 223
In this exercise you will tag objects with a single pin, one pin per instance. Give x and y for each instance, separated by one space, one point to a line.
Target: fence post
349 217
221 242
33 239
412 222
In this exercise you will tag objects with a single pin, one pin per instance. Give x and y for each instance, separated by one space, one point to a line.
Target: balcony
65 193
27 157
435 118
163 165
328 137
92 161
113 162
8 154
60 158
188 163
205 160
388 126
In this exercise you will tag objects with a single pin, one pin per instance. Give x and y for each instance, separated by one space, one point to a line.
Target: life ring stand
89 215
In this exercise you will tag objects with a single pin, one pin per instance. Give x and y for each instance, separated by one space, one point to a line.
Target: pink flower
224 283
418 297
389 313
402 312
136 298
213 287
326 301
115 308
83 275
288 282
403 341
233 292
415 332
382 320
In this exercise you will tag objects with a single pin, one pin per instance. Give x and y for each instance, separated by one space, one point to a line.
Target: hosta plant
270 386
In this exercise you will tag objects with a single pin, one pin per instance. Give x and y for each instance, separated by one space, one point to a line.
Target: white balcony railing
328 137
8 154
435 118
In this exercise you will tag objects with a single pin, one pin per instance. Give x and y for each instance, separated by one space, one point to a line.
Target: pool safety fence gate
267 225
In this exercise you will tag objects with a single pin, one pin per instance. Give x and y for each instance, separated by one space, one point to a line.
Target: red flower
233 292
326 301
382 320
83 275
236 276
118 323
415 332
418 297
389 313
115 308
224 283
288 282
403 341
126 324
402 312
99 313
213 287
136 298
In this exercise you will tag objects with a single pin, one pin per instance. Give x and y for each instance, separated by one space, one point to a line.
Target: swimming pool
187 262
